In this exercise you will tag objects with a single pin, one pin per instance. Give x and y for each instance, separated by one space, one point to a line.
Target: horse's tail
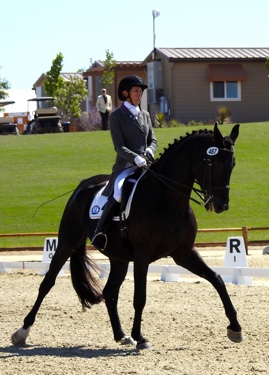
85 280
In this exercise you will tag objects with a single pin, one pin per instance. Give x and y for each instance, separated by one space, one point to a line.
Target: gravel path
184 321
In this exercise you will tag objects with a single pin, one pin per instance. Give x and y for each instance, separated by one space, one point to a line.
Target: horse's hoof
234 336
128 340
144 345
18 338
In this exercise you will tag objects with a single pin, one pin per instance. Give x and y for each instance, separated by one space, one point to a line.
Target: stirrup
100 241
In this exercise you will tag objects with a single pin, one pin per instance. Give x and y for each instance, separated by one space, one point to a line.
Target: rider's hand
148 153
140 162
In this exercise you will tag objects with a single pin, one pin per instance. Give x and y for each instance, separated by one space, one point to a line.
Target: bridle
206 191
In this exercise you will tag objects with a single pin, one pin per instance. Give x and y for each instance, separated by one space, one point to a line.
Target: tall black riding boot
100 238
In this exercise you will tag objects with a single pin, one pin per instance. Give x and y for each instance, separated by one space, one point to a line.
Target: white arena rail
237 275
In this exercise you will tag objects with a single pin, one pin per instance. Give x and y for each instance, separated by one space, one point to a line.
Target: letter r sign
235 252
235 244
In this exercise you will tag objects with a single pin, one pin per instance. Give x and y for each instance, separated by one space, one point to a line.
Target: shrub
90 121
223 116
159 120
194 123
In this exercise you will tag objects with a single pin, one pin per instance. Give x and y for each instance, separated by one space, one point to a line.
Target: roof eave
219 59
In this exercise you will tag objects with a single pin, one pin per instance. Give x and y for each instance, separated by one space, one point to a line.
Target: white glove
140 162
148 150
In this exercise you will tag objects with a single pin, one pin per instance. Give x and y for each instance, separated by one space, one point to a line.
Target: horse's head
214 172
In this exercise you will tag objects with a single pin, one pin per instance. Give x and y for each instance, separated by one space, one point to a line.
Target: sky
33 32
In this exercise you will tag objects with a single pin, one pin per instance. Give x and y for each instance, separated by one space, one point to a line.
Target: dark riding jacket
131 136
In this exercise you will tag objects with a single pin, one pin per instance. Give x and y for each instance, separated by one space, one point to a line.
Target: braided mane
182 139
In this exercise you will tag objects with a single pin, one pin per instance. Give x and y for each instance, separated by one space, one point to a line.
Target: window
225 81
225 91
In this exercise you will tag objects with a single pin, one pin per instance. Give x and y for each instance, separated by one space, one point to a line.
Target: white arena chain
167 272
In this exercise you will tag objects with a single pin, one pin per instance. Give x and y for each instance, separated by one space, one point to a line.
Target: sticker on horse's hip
212 151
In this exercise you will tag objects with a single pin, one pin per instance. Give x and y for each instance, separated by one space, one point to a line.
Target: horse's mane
182 140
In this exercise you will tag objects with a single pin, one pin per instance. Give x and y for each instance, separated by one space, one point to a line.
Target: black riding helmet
127 83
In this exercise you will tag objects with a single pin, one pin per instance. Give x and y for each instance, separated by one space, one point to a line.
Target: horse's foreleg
19 337
194 263
118 271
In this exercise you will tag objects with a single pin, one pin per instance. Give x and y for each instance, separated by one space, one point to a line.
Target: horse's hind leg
118 271
193 262
18 338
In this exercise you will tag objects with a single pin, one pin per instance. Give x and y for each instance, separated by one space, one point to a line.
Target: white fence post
236 258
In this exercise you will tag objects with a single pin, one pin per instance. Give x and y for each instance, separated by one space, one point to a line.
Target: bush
159 120
194 123
223 116
90 121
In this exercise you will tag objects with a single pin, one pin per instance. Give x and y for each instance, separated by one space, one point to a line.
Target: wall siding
188 93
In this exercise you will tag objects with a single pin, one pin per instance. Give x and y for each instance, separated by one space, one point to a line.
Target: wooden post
245 237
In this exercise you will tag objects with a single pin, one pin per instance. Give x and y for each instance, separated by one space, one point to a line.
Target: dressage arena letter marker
50 245
236 257
49 248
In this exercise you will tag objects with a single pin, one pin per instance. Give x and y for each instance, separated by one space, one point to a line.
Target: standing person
133 138
104 106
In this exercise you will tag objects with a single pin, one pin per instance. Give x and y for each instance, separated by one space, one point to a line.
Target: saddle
128 191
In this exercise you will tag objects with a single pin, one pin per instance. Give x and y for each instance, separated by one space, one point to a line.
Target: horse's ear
218 136
234 133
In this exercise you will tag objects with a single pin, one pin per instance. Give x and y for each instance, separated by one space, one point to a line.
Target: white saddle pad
100 200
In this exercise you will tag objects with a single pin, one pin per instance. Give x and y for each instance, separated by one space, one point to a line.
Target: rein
163 179
167 181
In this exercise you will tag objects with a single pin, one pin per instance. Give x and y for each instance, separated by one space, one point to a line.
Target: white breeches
120 180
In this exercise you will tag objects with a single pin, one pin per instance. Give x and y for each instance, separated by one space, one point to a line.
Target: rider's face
135 94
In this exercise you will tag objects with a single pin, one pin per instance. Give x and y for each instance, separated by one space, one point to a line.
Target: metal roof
99 65
67 76
121 63
213 53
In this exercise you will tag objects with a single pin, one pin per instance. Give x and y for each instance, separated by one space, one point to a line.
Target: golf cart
7 125
46 117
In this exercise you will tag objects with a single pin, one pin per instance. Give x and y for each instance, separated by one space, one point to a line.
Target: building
191 83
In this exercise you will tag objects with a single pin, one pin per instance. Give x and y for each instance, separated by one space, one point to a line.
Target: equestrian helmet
127 83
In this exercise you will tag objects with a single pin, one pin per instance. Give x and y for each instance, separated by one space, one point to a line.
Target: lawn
39 168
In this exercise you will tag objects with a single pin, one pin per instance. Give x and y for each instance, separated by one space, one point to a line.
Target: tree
4 85
69 96
109 73
53 79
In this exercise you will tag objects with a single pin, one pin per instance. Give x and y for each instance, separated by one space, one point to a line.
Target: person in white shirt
104 106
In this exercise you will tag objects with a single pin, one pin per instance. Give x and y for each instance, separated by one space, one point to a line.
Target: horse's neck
176 166
176 172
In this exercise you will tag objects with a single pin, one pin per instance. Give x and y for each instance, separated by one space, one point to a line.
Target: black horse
161 223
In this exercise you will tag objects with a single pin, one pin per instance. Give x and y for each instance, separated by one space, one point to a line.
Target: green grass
38 168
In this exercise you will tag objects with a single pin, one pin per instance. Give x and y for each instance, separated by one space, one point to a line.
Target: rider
133 139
